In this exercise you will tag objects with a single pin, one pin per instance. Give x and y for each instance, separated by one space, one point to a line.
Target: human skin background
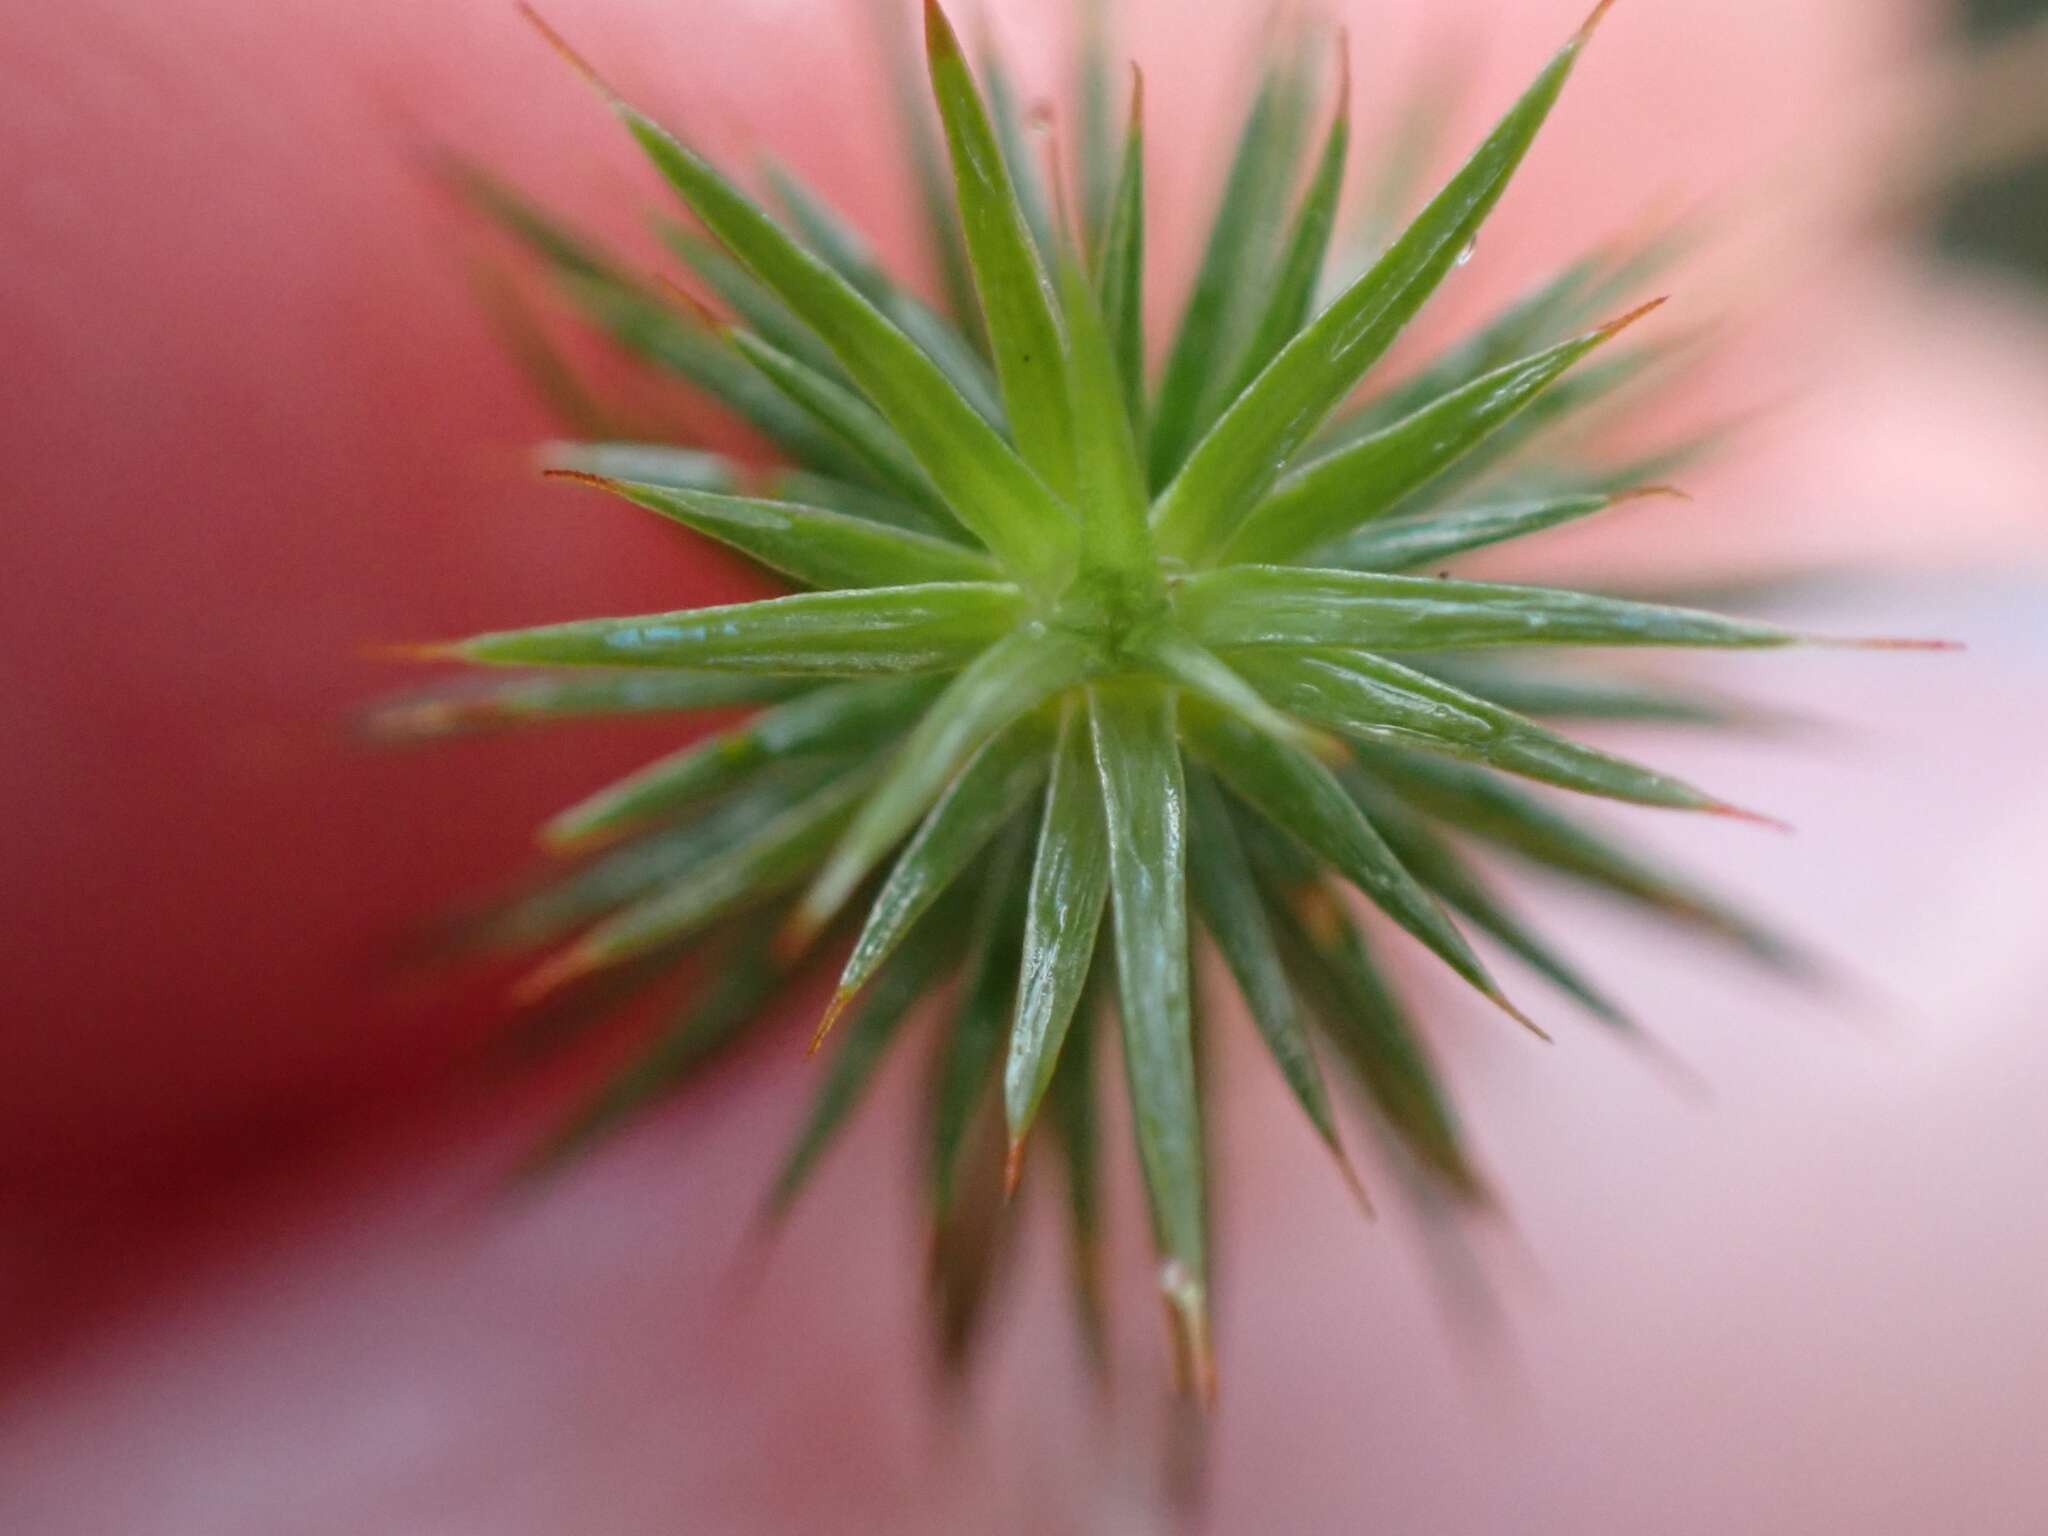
252 422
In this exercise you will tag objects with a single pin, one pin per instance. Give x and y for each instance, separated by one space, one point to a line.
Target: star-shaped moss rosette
1081 658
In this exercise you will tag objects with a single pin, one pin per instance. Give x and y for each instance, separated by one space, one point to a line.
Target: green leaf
931 950
566 902
1308 243
1268 605
1405 543
761 311
992 790
747 978
808 544
1120 266
1330 497
1373 699
1007 681
1361 1017
848 719
768 861
1071 1110
1069 885
1432 860
1227 266
1181 661
1109 480
864 502
1541 316
850 420
1305 798
1475 802
975 1043
887 629
1144 801
474 707
1267 425
682 469
1227 897
1016 296
840 246
980 475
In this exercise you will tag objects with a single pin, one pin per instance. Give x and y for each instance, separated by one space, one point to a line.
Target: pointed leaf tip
1754 818
415 651
1647 492
1882 643
571 965
940 40
1187 1316
1499 999
1615 327
584 477
1592 22
1348 1172
830 1017
570 56
1013 1168
696 308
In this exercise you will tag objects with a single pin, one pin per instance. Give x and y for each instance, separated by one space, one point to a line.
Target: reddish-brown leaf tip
1615 327
1592 22
1187 1320
1343 77
1013 1168
1348 1171
1137 119
833 1010
572 964
1739 813
426 650
695 307
570 56
585 477
1882 643
940 40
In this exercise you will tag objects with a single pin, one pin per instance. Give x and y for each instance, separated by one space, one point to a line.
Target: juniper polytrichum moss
1082 655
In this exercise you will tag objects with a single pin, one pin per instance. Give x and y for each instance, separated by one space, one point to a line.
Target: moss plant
1080 658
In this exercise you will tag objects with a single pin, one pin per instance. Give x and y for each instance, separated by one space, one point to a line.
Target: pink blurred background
253 1276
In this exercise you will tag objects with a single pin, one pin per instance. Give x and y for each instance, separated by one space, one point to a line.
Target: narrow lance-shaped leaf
470 707
1069 884
850 420
1220 881
908 977
1097 112
974 1044
1269 605
990 792
1204 324
1071 1109
849 719
1016 296
1432 860
1138 761
746 979
1181 661
1374 699
884 630
1120 266
762 312
1109 480
1268 424
1308 243
840 246
1008 680
569 900
864 502
807 544
1476 802
1007 117
979 474
1407 543
1362 1018
1305 798
764 863
1331 496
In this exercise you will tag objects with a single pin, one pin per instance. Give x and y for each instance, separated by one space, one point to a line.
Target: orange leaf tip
1344 75
1615 327
1592 22
1647 492
570 56
572 964
428 650
832 1012
583 477
1187 1315
940 40
1013 1168
695 307
1137 120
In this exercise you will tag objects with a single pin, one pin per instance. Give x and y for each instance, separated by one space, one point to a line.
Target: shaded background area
254 1271
2002 220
